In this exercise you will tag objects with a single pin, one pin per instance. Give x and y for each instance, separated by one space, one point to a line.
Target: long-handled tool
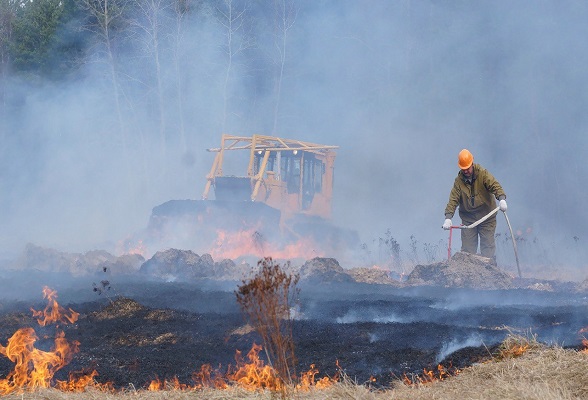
514 244
478 222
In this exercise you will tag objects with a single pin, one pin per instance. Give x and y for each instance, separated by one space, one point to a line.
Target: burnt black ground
371 330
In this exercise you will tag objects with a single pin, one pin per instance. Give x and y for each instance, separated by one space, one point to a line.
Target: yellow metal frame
267 186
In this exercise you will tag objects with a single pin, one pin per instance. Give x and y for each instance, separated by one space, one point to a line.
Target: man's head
465 162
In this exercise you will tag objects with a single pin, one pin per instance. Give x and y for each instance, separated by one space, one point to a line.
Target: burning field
178 321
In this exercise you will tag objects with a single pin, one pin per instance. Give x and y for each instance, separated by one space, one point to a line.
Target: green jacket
475 200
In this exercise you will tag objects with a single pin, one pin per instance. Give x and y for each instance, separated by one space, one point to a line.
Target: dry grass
546 373
538 372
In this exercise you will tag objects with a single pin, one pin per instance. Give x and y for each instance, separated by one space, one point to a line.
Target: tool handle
484 218
478 222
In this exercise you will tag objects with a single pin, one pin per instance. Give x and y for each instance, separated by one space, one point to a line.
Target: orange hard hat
465 159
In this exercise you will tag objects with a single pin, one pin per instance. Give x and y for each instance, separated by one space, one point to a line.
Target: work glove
502 205
447 224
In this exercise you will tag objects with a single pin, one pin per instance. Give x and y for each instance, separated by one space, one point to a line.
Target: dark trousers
485 231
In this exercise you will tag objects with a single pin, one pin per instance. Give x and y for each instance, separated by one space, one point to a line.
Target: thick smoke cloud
400 86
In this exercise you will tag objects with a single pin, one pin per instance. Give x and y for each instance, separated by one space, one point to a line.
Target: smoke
353 316
457 344
401 87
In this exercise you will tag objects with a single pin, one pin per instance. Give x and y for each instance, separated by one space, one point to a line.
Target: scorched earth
165 318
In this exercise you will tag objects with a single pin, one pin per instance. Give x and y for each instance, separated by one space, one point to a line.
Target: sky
400 86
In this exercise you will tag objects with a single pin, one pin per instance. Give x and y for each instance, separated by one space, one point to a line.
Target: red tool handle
450 234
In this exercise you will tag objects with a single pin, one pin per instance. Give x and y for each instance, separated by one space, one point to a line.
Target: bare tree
286 13
232 16
150 23
181 8
108 14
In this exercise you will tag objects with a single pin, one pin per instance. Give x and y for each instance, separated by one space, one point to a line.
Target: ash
165 317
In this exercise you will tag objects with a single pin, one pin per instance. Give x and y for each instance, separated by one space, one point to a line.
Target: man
474 192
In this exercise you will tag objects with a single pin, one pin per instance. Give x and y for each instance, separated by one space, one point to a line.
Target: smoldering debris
324 270
185 265
463 270
145 325
44 259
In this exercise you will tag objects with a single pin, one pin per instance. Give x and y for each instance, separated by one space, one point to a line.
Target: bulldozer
280 190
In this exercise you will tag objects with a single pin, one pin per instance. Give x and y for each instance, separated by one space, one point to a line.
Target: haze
400 86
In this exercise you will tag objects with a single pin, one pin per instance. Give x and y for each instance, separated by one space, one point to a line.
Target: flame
584 340
431 375
307 380
250 242
53 312
585 345
250 373
35 368
79 381
514 351
173 384
131 246
254 374
139 249
209 378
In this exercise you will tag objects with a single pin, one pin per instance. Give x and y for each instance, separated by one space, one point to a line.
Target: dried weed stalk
266 300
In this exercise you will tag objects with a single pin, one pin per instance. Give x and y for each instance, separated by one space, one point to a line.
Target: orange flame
584 340
585 344
131 246
431 375
307 380
53 312
79 381
206 377
233 245
251 375
35 368
173 384
514 351
139 249
254 375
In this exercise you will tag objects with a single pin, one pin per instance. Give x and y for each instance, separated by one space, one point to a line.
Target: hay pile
464 270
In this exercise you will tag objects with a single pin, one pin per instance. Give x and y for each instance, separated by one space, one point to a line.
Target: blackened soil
139 331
